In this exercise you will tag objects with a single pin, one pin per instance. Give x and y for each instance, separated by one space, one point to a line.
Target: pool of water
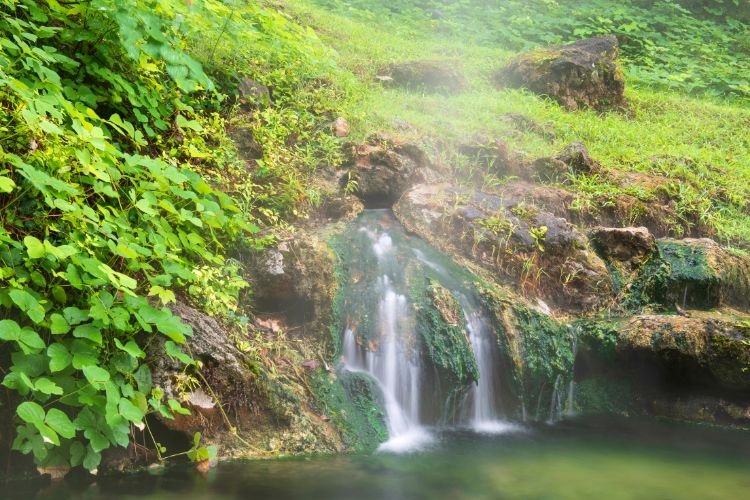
602 458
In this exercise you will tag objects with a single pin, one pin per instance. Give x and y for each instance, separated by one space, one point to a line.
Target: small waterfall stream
382 342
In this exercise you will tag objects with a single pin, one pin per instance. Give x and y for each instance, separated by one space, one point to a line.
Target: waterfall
392 364
483 414
382 339
481 410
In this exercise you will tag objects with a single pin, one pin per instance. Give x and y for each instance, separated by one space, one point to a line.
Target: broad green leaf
92 459
28 304
130 411
6 184
88 331
95 375
9 330
46 386
60 423
34 247
58 324
30 412
31 339
59 357
131 348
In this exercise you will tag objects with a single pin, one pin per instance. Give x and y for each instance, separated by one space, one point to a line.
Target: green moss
443 330
352 402
604 395
598 336
677 274
539 349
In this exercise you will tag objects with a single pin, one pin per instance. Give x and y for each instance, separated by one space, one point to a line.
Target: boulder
340 127
383 168
430 76
577 157
582 74
254 94
225 368
538 252
248 148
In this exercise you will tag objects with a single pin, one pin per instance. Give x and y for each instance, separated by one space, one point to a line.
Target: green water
598 459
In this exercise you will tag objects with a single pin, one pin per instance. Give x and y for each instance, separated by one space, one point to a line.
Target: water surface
605 458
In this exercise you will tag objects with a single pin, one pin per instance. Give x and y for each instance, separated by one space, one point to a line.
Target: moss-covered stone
690 273
604 395
539 349
353 403
442 328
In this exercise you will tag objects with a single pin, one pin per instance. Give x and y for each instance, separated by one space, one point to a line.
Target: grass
697 141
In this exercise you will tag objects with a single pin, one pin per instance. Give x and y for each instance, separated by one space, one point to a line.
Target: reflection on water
612 458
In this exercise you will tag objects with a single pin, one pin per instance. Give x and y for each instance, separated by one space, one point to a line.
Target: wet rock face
582 74
430 76
296 279
625 244
714 342
383 168
542 254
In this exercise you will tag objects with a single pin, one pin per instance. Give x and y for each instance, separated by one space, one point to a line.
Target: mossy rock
353 402
445 339
691 273
538 348
582 74
604 395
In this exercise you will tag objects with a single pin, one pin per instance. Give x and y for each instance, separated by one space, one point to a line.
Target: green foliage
691 141
663 43
102 206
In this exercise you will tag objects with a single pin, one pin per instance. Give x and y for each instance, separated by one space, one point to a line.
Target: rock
582 74
341 207
691 273
495 155
577 157
429 76
445 340
542 254
247 147
712 342
254 94
383 168
296 279
624 244
224 366
551 170
340 127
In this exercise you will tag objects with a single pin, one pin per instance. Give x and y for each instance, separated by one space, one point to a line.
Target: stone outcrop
296 279
624 244
537 251
582 74
380 170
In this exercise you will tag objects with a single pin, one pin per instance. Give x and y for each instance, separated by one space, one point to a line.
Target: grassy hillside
687 85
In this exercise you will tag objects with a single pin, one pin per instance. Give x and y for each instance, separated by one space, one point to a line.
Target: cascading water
393 364
381 339
481 407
